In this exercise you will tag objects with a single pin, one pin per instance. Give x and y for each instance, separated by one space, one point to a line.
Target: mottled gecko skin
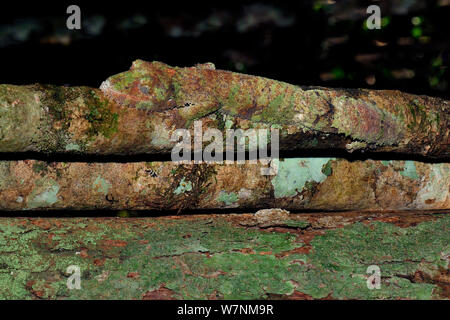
155 86
138 111
371 119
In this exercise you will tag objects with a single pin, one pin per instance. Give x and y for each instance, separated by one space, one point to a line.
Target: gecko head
147 85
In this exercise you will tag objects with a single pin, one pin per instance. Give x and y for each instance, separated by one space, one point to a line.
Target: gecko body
355 118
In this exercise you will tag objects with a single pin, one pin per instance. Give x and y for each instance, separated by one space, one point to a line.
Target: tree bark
136 112
301 183
308 256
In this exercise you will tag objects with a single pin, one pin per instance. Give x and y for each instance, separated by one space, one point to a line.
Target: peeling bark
307 256
137 111
301 183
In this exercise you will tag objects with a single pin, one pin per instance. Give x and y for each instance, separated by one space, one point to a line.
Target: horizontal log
308 256
136 112
300 183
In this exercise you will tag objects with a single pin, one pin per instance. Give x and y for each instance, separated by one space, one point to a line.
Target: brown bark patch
160 294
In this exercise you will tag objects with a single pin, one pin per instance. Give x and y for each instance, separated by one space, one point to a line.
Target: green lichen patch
72 147
294 174
341 258
44 199
34 258
409 170
184 186
386 162
44 195
436 188
101 185
175 256
211 257
227 198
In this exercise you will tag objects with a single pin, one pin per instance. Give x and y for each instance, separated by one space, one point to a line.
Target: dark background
311 42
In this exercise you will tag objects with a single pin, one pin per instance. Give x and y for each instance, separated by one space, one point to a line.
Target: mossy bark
136 112
308 256
301 183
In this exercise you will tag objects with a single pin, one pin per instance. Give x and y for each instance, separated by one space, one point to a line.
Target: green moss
327 168
309 185
220 118
39 166
100 117
191 179
55 99
437 119
302 224
421 118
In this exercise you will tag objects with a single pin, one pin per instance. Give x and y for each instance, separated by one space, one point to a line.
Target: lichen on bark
301 183
137 111
227 257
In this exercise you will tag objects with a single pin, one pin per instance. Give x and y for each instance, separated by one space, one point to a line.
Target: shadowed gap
165 213
330 153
